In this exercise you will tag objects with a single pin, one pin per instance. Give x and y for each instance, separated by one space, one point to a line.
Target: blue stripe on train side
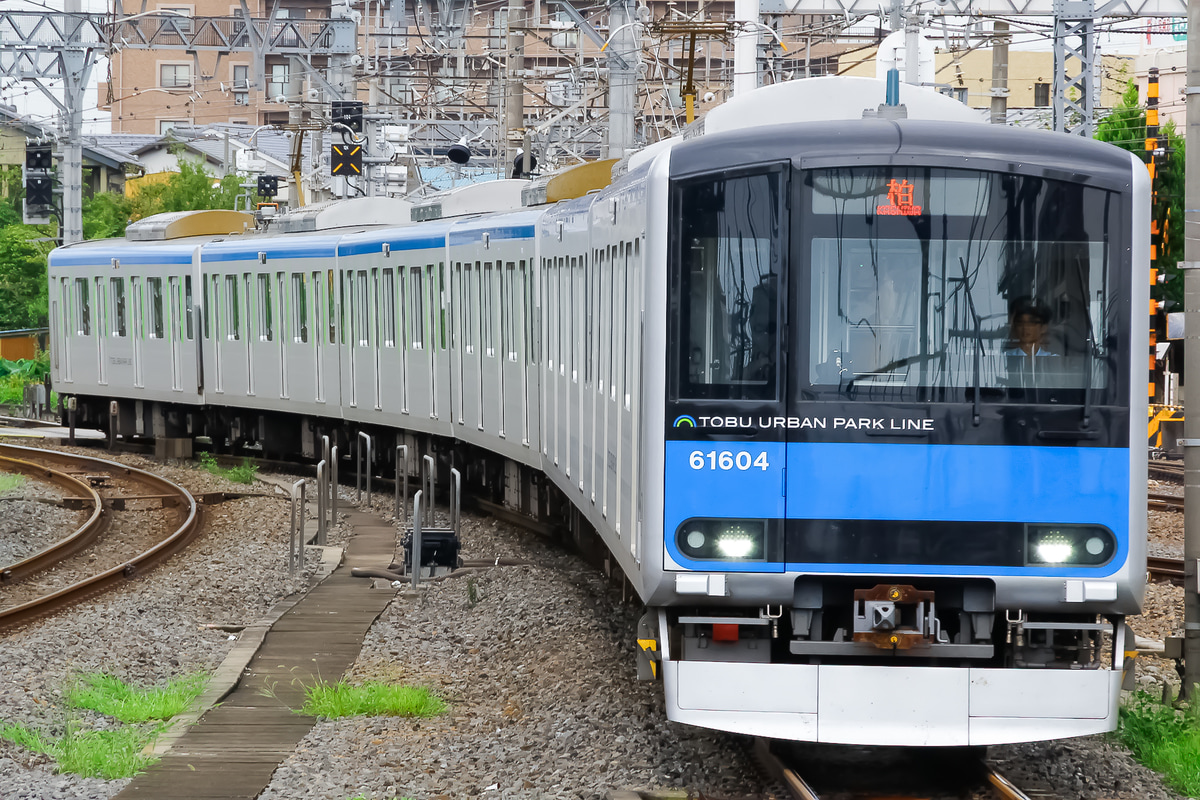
508 232
374 246
103 256
831 480
273 250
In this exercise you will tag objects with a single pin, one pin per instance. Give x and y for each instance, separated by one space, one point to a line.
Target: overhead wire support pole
1191 423
1074 101
624 54
1000 40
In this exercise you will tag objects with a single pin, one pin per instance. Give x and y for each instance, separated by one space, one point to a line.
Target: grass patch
242 473
10 481
117 753
92 754
1164 739
371 699
111 696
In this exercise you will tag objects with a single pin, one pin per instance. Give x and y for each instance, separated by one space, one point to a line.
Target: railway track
1165 569
34 587
1164 502
862 773
1170 470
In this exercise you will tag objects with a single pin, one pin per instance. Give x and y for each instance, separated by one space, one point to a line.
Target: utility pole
1191 424
514 91
79 69
745 48
999 73
624 53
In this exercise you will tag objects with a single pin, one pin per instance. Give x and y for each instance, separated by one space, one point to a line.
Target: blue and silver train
850 402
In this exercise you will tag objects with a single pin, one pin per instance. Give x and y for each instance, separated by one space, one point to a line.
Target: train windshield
935 283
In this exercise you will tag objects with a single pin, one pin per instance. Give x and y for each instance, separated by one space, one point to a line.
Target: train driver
1028 322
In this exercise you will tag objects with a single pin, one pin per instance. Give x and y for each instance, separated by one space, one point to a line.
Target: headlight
723 539
1069 545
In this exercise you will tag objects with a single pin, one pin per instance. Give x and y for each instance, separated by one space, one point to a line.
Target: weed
111 696
371 699
472 593
242 473
107 754
10 481
115 753
1164 739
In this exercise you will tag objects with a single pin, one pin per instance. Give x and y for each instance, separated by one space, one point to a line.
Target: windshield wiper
1091 348
978 341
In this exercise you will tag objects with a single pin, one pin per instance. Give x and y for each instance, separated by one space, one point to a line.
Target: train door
375 306
139 329
458 317
218 319
438 357
317 333
350 341
523 286
287 329
726 448
402 336
516 415
174 323
456 342
248 315
101 332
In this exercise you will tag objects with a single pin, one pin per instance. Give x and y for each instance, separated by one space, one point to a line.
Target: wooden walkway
234 748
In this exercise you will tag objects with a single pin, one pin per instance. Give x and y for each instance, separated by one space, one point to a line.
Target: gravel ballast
535 661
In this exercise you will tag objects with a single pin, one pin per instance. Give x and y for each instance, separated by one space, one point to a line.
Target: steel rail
119 574
1164 502
83 536
1169 568
1002 784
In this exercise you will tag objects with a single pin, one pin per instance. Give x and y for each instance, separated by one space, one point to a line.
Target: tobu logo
900 201
685 421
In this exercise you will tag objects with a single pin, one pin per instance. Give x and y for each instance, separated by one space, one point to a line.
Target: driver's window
730 261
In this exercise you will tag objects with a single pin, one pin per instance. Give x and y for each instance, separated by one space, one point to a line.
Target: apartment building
150 91
422 68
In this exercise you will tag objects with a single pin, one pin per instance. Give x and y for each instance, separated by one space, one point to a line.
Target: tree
23 289
105 215
192 188
1125 127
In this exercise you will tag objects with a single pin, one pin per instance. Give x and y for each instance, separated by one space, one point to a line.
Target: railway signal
348 113
268 185
346 159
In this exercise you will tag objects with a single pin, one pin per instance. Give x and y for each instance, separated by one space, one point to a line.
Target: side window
285 314
233 308
728 261
441 305
212 306
331 300
415 289
83 311
469 318
489 322
189 325
117 285
155 308
363 332
299 308
387 309
435 305
266 330
139 304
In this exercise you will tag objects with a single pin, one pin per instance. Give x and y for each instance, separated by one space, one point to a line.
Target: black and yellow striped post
1153 152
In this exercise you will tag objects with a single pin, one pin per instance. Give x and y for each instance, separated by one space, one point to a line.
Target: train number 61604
727 460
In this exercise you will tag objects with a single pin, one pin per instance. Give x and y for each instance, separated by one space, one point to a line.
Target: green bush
1164 739
242 473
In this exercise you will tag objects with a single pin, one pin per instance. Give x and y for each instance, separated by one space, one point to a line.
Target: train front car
903 501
